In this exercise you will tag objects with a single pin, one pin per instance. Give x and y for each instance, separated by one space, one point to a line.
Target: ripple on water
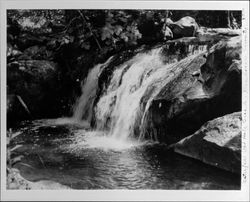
84 159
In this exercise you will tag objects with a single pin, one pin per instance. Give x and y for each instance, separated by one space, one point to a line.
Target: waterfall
121 111
120 108
82 109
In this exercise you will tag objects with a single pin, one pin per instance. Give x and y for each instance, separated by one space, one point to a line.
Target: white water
83 108
119 110
84 105
99 139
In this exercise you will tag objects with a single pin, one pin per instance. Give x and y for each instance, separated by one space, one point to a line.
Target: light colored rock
185 27
207 88
168 34
218 143
16 182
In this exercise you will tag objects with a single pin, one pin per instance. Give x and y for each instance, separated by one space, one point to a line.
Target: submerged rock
218 143
189 100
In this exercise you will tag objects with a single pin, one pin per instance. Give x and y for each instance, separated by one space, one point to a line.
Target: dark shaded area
182 108
217 142
72 42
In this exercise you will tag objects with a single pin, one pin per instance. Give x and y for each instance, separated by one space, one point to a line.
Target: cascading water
105 157
83 107
120 109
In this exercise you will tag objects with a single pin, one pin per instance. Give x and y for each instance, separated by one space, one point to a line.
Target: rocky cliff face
218 143
210 87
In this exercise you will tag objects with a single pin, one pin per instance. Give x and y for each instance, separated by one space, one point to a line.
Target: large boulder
218 143
185 27
206 88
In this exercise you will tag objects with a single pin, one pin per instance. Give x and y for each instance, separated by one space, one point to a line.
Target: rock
219 31
218 143
189 100
168 34
34 81
15 181
185 27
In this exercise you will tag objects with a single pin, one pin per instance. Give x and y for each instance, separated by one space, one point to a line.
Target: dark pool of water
55 153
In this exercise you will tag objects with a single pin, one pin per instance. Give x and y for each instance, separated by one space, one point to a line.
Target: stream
114 153
83 159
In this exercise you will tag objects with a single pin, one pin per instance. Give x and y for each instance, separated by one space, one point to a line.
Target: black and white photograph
125 98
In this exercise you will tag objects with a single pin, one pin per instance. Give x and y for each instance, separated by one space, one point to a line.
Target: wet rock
190 99
185 27
218 143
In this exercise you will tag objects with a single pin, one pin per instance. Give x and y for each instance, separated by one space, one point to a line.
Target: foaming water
98 139
121 102
120 107
83 106
119 113
83 159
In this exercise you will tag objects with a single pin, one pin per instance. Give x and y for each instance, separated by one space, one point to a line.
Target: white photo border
129 195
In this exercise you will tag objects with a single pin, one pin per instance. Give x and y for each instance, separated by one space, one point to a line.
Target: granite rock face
218 143
202 92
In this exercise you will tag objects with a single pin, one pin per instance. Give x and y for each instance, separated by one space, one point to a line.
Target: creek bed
66 155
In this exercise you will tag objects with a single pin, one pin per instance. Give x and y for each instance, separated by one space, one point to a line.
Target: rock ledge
218 143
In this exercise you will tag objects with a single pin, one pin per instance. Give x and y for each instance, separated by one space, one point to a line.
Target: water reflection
89 160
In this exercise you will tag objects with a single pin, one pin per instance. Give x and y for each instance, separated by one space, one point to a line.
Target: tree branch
84 19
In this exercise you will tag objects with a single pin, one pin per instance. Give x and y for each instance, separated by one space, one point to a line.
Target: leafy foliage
75 40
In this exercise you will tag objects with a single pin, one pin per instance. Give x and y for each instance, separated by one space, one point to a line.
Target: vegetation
65 44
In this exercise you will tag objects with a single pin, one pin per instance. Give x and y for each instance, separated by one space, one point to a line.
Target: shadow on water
57 153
